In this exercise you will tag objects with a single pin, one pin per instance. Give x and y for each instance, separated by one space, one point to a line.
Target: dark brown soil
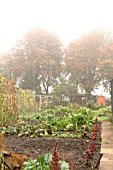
68 148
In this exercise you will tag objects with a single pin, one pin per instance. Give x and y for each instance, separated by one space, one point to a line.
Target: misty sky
69 19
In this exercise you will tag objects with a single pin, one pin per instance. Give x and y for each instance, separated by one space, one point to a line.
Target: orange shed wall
101 100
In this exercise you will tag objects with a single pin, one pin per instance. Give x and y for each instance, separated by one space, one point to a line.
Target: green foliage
43 163
26 100
103 113
50 111
74 106
61 88
55 124
8 102
83 117
92 105
59 110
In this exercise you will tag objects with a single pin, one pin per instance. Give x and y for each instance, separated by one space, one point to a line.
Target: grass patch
106 142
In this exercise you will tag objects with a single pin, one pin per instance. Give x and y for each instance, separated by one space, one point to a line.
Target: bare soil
68 148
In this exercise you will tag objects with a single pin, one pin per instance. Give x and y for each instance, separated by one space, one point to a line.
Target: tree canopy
40 62
36 59
83 59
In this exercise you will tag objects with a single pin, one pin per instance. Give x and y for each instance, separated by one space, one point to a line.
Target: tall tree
82 59
106 63
37 58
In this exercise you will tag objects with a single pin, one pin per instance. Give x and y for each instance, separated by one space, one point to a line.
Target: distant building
101 100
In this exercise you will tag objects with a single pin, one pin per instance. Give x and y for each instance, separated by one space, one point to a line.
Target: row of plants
90 151
59 110
53 125
103 111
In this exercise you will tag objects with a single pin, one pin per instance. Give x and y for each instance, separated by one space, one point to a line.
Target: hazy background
69 19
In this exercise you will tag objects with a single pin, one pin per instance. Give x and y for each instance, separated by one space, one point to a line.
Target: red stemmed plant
91 149
96 128
55 165
88 154
71 168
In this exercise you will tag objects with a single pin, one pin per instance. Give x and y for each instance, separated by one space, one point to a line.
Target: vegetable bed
79 142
